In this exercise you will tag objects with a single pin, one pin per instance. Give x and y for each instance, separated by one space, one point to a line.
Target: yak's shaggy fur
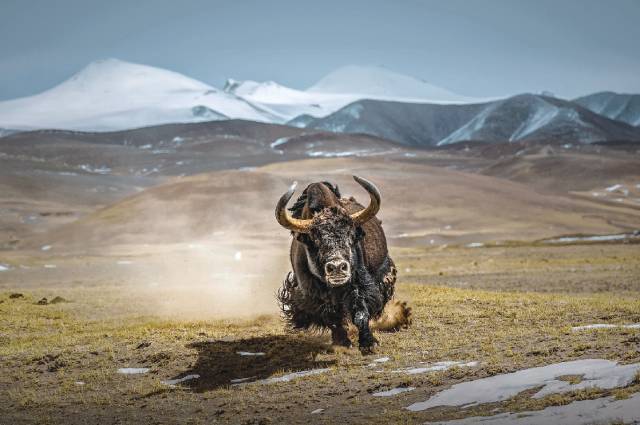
307 301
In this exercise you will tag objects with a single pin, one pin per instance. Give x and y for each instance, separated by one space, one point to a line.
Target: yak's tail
395 316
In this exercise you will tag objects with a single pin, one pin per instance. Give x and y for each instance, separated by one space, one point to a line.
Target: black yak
342 271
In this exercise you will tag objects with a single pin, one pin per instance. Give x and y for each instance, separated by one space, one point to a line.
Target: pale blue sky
475 48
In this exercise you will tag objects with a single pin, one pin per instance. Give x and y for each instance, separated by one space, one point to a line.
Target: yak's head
331 234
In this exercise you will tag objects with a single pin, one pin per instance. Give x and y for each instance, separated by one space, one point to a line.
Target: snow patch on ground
603 374
174 382
46 247
602 410
291 376
596 238
249 353
315 412
133 370
605 326
241 380
436 367
278 142
475 245
4 267
393 392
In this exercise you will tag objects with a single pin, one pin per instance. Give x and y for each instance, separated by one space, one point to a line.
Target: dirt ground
507 308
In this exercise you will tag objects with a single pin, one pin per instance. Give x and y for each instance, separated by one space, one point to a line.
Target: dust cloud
222 277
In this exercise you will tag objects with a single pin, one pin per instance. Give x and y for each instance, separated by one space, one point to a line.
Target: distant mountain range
518 118
111 95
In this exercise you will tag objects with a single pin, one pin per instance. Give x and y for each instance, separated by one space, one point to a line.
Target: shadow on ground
219 362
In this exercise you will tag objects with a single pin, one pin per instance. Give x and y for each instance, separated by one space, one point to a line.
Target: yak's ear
359 233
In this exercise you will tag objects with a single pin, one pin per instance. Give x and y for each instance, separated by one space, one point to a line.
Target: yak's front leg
339 336
360 317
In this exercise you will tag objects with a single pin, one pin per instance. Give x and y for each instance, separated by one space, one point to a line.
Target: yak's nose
336 267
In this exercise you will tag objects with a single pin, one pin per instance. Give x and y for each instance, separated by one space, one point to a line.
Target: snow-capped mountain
115 95
621 107
518 118
380 83
287 103
338 89
112 95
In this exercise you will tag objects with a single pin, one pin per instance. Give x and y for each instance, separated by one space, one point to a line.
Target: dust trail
225 277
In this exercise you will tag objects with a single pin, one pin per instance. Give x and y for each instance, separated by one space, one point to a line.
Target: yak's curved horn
285 220
368 213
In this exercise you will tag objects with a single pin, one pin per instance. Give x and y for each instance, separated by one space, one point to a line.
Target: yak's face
332 239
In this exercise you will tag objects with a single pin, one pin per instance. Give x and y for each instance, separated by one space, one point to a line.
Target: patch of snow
278 142
614 188
241 380
149 146
46 247
436 367
124 262
133 370
376 362
601 410
79 383
315 412
4 267
95 170
291 376
597 238
174 382
237 256
249 353
605 326
603 374
475 245
393 392
50 266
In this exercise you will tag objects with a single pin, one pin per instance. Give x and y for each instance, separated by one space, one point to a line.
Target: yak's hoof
368 347
367 350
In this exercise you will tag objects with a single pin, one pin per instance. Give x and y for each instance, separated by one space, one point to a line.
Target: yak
342 271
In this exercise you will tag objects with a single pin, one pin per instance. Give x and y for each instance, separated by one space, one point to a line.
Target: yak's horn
368 213
285 220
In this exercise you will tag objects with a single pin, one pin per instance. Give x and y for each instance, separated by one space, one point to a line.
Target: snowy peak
114 74
265 92
112 95
381 83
